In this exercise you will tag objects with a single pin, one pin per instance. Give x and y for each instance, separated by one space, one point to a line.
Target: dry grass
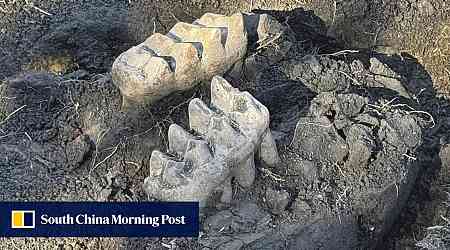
432 48
12 6
56 64
438 237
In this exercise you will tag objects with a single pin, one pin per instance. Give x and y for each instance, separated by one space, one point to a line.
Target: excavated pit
352 132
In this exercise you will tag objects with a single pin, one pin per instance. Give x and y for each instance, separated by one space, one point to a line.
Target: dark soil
358 160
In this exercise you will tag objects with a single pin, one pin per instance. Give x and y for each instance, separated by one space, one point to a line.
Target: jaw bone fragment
188 54
228 135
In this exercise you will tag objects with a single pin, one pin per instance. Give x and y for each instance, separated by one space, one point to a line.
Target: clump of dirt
393 27
60 37
354 130
438 235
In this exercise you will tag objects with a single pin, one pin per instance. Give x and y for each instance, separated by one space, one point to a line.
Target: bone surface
227 137
186 55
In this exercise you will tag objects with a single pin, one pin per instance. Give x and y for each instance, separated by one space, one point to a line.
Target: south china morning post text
99 219
86 219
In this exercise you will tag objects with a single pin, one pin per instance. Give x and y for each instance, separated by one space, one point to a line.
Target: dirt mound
63 39
354 129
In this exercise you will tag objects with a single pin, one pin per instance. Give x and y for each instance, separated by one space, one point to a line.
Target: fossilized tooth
248 114
236 34
251 116
186 55
228 142
178 139
222 150
212 41
199 116
184 58
157 163
193 179
241 127
137 71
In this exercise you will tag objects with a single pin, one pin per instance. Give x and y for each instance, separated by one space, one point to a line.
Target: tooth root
227 192
158 162
268 152
245 173
199 116
198 152
178 139
212 41
222 94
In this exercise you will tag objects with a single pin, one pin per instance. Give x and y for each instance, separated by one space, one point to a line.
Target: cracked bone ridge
186 55
227 137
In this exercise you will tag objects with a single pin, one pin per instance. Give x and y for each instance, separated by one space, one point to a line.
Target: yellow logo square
22 219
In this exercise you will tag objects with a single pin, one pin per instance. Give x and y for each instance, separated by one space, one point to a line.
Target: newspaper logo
22 219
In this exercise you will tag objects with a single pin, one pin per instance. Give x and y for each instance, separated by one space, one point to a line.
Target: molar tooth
184 56
188 61
136 57
236 34
158 162
199 116
172 174
213 53
250 114
222 94
198 152
178 139
159 43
